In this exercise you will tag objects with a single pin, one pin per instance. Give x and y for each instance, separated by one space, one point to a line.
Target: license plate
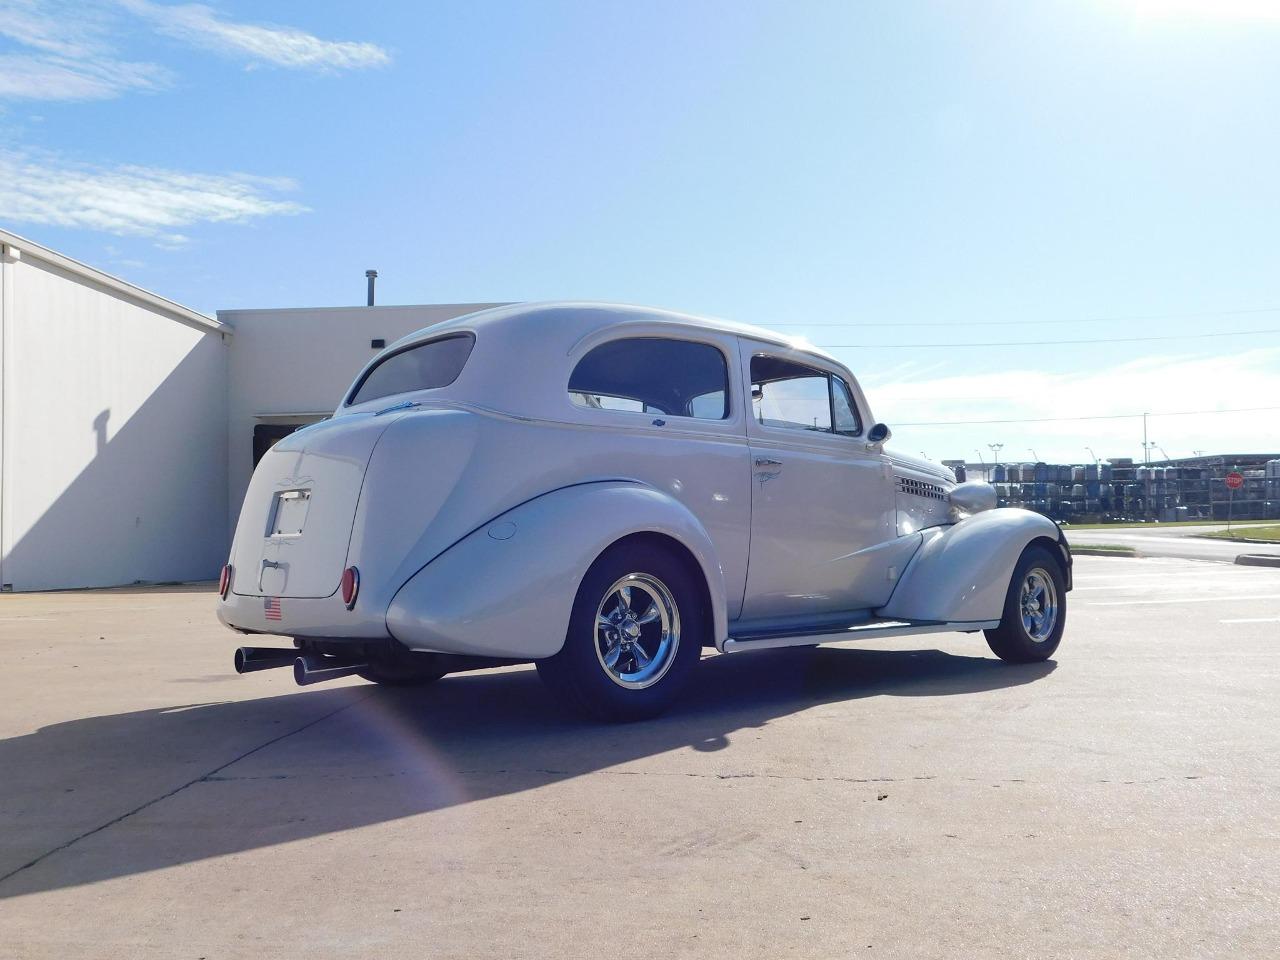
290 513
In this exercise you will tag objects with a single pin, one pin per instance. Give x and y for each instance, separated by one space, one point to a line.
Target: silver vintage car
606 491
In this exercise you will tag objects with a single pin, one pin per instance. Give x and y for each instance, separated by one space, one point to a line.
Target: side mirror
879 433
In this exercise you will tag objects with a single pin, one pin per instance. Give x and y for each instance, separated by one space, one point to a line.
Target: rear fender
961 573
507 588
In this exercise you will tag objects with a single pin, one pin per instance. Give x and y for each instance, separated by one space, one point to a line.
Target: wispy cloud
133 200
36 77
279 46
69 49
66 54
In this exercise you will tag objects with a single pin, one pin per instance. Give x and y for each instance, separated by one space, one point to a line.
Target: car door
823 538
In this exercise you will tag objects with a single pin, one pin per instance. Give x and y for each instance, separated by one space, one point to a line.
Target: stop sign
1235 480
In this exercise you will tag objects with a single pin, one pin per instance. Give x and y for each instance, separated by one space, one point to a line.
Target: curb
1258 560
1205 536
1098 552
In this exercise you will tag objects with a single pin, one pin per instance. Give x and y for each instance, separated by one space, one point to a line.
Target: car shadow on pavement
104 797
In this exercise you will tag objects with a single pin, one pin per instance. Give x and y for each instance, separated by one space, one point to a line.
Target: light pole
995 449
1096 461
986 474
1167 458
1034 456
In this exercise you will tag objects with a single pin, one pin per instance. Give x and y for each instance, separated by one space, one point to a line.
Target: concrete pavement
912 799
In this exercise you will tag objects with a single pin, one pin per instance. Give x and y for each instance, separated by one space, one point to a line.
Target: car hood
920 465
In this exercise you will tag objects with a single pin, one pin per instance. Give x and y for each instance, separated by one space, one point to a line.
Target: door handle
267 565
767 462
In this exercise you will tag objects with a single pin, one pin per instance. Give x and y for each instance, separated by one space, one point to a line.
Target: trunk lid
295 525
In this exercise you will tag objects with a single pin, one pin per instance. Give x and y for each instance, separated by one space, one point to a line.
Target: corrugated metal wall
115 435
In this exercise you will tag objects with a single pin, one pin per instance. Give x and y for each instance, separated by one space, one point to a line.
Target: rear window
425 366
678 378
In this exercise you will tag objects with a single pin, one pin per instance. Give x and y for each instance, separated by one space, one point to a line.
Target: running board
871 630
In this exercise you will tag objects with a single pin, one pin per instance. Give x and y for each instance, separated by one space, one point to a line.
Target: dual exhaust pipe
308 668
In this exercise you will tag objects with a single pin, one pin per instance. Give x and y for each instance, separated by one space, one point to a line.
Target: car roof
521 361
574 321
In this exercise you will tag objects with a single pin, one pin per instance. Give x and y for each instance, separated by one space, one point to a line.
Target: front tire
1035 610
634 637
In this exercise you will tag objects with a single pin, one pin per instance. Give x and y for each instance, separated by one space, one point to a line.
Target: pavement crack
698 775
749 775
344 777
176 790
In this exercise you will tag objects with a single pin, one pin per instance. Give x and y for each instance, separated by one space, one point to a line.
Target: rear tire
635 634
1035 610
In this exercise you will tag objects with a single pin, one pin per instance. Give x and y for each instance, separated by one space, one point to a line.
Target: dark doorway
265 436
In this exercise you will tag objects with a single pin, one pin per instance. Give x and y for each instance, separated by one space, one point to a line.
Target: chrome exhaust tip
253 659
312 668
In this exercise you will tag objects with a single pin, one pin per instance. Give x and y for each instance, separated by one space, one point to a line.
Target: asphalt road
1172 541
911 799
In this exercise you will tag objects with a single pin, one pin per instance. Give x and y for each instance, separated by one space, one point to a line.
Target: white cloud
34 77
132 200
259 43
1159 385
67 54
67 49
53 26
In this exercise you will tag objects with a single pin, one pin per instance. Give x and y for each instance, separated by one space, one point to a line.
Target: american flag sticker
271 608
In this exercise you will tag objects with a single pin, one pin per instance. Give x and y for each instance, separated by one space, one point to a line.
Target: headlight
972 497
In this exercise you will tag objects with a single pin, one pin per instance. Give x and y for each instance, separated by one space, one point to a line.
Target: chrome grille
921 488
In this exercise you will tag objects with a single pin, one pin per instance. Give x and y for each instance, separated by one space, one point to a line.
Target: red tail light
224 581
350 586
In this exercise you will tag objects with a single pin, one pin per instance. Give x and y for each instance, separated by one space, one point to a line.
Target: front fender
961 573
507 588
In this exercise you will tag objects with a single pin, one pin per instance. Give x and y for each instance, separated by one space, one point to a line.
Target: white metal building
127 421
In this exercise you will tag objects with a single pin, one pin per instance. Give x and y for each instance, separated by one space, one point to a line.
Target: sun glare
1208 9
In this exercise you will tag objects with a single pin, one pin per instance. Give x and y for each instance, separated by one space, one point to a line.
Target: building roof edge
175 310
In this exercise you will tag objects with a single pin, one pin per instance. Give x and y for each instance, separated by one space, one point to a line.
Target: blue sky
947 173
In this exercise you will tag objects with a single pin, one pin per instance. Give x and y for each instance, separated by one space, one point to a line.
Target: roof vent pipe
373 277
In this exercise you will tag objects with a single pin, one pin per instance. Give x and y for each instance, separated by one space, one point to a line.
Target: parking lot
915 798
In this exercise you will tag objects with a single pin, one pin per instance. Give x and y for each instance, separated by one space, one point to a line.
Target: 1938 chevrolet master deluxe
606 490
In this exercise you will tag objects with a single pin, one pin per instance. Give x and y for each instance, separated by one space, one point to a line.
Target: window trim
853 407
360 382
730 408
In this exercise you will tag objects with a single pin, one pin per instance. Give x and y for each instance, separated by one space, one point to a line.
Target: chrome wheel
1038 604
637 631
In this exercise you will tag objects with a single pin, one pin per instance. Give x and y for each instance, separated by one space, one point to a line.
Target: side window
790 395
843 410
709 406
793 396
677 378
